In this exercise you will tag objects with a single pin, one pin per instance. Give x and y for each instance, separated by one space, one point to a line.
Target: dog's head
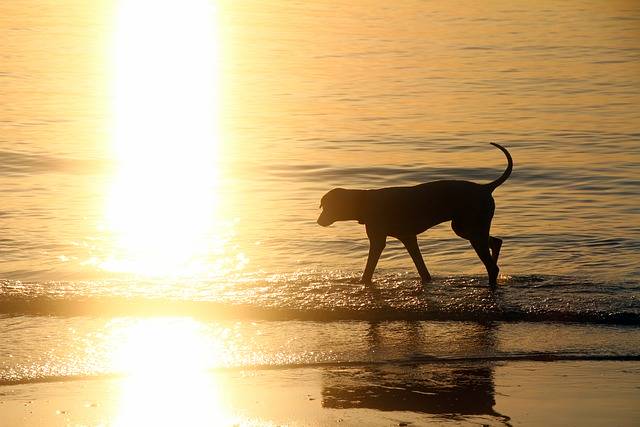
336 206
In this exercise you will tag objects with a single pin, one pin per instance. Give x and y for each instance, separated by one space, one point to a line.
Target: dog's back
402 210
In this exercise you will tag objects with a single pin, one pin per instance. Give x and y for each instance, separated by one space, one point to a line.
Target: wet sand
488 393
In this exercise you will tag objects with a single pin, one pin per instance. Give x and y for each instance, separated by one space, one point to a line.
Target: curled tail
493 185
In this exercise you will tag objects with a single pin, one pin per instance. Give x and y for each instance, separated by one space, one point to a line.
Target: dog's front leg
411 243
377 242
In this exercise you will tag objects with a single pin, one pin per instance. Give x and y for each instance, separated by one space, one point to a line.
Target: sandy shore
506 393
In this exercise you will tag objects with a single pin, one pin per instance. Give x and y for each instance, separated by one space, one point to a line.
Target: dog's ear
323 199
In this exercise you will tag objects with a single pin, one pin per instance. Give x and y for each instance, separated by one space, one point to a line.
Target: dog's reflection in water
412 383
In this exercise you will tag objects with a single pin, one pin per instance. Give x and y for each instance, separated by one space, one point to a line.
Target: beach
292 373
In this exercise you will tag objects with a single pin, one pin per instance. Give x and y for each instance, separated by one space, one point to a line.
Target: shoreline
422 360
454 393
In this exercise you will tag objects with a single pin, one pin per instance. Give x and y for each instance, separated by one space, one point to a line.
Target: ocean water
176 176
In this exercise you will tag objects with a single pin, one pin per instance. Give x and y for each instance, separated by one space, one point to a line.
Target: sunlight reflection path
166 362
162 209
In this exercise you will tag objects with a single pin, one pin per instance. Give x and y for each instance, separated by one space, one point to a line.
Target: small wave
331 297
14 163
418 360
219 311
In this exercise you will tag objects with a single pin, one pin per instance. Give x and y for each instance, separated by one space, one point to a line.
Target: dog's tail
493 185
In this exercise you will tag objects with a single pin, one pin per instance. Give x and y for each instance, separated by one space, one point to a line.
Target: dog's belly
403 225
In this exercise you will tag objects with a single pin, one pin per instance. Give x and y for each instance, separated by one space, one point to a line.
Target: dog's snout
323 220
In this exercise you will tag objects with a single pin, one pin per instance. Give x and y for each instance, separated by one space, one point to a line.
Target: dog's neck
361 206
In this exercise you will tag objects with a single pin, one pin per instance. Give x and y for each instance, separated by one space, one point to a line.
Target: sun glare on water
161 211
167 381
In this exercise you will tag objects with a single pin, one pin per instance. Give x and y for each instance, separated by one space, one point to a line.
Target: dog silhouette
405 212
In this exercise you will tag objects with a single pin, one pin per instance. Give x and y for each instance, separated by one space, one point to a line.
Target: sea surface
162 163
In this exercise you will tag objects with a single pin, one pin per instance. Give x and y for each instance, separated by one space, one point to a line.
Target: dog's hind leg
481 246
495 244
377 242
411 243
481 241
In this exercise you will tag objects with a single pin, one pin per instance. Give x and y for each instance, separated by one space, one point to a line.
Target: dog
405 212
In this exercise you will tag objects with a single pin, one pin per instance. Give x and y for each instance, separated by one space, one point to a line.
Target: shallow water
55 349
104 223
